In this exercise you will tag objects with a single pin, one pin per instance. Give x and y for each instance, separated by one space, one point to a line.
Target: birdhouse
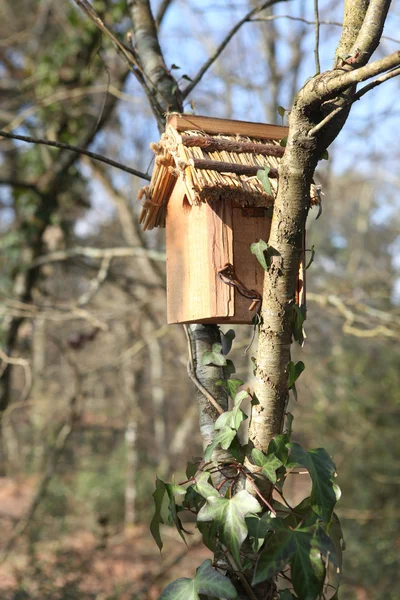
204 189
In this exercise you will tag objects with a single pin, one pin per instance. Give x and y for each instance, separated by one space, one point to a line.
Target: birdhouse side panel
250 224
192 290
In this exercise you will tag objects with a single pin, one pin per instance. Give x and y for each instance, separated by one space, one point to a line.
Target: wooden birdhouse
205 190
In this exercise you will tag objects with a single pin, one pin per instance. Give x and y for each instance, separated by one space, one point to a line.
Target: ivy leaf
223 437
230 368
281 112
322 472
173 490
312 250
157 520
191 469
295 370
214 356
325 155
207 581
229 514
262 175
278 551
298 329
307 569
204 488
289 422
227 340
278 446
209 535
230 386
269 463
258 249
294 546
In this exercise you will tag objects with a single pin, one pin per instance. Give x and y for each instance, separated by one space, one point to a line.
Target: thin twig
192 375
308 22
246 19
316 49
98 254
95 156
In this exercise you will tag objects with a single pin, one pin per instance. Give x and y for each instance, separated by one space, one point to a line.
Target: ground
123 565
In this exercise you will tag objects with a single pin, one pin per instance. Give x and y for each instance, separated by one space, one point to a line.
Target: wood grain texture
213 125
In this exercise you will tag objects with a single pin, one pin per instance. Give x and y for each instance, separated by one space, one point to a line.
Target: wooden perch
226 167
239 147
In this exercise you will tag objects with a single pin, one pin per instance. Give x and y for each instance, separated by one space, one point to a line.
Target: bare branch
162 9
316 49
246 19
353 18
63 146
308 22
331 84
97 253
357 96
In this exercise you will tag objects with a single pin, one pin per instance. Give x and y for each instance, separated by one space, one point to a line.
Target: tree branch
370 32
330 84
357 96
63 146
247 18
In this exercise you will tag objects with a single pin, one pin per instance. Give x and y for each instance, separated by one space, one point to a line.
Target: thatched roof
215 159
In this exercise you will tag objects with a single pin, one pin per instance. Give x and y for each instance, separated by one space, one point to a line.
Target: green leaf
258 249
191 469
214 356
311 257
173 66
187 78
229 514
240 397
299 316
278 446
295 370
229 368
286 546
173 490
227 340
281 112
283 142
269 463
307 569
278 550
207 581
230 386
158 496
224 437
204 488
262 175
209 535
289 422
325 155
322 472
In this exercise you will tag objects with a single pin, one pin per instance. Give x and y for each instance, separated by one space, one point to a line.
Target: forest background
95 398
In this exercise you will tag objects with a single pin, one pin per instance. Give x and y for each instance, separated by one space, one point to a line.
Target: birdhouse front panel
205 190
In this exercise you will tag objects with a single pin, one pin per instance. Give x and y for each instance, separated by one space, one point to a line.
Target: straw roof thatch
212 167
